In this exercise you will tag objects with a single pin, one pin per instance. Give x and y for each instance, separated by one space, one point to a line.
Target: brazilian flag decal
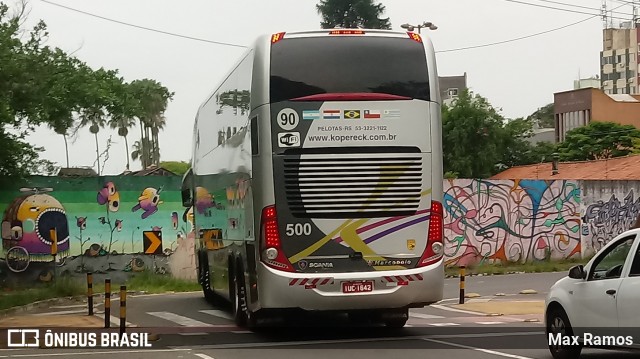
351 114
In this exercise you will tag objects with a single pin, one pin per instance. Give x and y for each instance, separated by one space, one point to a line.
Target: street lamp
426 24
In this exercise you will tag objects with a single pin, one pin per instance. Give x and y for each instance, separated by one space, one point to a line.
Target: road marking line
115 321
443 324
364 340
487 351
60 312
489 323
242 332
442 307
425 316
69 306
217 313
203 356
179 319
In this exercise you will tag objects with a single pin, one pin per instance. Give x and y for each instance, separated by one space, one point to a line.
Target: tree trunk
66 148
97 152
126 144
141 149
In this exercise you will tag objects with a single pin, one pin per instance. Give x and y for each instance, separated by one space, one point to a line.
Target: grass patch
156 283
505 268
70 287
58 289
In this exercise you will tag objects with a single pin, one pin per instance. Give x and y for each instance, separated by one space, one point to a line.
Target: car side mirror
577 272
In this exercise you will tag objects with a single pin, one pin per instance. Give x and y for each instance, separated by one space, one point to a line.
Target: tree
544 117
176 167
473 137
598 140
153 100
352 14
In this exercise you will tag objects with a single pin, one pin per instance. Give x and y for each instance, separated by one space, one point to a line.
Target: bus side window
254 136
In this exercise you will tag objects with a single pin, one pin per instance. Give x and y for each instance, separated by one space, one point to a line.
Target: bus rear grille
342 187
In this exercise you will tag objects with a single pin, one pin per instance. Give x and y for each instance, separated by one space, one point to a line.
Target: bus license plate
357 287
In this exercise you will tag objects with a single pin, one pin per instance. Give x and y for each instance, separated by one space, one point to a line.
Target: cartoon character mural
148 202
109 194
204 201
27 225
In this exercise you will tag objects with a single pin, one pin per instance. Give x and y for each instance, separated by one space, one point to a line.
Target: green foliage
598 140
176 167
544 116
352 14
40 85
473 137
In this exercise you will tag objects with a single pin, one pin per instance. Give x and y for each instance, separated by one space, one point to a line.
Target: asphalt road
189 327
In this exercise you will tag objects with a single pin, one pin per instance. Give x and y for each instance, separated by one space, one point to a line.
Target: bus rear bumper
324 291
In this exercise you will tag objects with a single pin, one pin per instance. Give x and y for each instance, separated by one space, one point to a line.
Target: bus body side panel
222 167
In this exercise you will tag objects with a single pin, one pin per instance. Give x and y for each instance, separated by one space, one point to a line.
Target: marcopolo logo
289 139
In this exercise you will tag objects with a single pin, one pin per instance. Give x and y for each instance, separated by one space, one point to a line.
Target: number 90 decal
288 119
298 229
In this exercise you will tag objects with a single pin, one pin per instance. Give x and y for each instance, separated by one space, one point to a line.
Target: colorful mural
510 221
605 218
98 223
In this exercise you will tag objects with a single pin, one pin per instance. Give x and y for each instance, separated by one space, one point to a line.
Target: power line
579 6
141 27
561 9
523 37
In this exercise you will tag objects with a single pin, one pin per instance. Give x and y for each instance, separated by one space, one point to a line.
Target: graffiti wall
610 208
100 225
490 221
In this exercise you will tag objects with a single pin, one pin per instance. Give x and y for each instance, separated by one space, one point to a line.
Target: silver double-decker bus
316 178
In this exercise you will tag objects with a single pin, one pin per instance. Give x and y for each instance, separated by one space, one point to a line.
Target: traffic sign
152 241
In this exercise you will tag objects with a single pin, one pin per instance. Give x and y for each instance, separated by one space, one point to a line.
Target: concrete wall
100 224
609 208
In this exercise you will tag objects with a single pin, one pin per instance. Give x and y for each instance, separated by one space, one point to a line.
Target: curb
43 303
52 301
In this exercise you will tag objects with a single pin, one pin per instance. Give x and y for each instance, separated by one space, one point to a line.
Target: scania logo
302 264
320 265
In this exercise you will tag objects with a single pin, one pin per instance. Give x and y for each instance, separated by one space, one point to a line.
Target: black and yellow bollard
123 307
90 292
462 270
107 303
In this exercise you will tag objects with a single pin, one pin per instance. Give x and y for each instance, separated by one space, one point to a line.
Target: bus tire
204 278
242 316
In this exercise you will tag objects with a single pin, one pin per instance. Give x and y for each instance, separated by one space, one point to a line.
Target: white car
597 305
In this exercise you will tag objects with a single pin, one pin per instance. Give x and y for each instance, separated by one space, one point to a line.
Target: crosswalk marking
217 313
179 319
425 316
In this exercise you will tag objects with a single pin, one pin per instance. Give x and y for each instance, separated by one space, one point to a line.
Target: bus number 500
298 229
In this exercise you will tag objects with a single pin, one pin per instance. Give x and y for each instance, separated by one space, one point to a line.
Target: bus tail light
270 244
435 249
277 37
415 37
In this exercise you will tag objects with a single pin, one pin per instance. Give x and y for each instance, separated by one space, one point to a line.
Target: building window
452 92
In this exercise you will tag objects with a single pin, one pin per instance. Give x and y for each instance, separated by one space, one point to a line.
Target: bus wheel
241 314
205 280
397 319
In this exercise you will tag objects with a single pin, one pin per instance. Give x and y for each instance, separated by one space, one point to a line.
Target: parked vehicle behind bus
316 180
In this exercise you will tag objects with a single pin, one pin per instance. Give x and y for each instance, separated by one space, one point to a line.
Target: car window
635 264
610 264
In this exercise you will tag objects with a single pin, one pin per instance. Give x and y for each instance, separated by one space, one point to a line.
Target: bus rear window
311 66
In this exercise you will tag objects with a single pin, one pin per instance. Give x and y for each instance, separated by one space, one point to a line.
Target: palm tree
123 123
62 128
157 124
95 119
137 151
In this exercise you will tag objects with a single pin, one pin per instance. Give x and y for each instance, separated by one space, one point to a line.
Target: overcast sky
517 77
